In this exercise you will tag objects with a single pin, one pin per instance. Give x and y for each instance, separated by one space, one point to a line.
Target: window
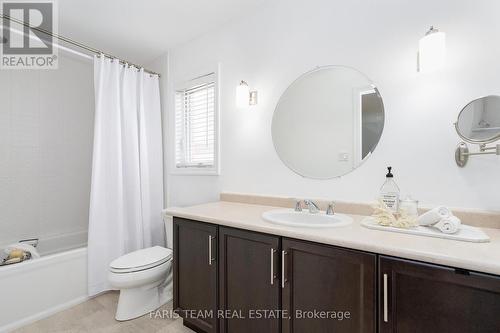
196 126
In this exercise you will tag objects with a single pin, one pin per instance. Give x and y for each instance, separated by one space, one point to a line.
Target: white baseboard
41 315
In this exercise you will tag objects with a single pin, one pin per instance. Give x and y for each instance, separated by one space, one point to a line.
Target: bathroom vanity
327 273
229 264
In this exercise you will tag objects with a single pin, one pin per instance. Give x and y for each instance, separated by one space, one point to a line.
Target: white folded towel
448 225
434 215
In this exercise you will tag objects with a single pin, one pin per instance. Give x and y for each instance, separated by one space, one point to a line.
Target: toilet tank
168 222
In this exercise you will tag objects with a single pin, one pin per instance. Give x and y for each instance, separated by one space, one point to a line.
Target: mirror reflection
479 121
328 122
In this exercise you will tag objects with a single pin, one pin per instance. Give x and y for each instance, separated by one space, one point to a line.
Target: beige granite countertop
481 257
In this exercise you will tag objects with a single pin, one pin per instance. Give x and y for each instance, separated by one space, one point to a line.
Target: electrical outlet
343 157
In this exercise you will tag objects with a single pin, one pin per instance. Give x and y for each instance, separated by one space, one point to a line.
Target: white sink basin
292 218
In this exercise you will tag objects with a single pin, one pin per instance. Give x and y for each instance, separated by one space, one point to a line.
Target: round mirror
328 122
479 121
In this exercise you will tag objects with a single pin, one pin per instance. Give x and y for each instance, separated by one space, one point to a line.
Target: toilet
141 276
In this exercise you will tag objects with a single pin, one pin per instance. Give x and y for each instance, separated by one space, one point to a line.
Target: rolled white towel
434 215
448 225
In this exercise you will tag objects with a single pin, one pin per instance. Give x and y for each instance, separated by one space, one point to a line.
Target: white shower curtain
126 196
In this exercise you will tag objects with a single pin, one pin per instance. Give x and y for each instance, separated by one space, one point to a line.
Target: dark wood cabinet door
418 297
322 284
248 270
195 274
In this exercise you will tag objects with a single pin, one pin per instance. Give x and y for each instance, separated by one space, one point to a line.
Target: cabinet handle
283 254
210 259
386 319
272 266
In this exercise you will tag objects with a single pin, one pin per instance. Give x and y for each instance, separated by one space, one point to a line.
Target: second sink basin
290 217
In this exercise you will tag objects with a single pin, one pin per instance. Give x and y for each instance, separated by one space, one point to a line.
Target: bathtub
35 289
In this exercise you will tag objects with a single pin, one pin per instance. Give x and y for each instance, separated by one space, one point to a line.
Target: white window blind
195 126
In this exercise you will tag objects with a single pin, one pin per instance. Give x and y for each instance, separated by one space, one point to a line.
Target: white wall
46 136
288 37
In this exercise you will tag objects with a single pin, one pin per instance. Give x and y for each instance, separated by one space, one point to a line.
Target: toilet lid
142 259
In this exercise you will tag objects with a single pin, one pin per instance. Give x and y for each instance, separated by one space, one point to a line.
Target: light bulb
242 95
432 51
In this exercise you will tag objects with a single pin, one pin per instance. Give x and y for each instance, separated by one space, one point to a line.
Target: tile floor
97 315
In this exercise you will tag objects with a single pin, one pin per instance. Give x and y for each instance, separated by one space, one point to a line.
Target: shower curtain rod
77 44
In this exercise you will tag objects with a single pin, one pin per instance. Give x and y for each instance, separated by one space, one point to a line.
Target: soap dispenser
389 192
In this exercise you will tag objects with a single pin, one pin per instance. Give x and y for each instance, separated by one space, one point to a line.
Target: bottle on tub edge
389 192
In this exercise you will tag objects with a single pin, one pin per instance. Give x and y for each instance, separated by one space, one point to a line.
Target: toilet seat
141 260
144 279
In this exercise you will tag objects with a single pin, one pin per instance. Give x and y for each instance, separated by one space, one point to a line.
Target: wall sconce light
245 97
431 51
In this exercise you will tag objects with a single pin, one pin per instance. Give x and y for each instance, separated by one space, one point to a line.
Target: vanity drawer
328 289
419 297
195 274
249 285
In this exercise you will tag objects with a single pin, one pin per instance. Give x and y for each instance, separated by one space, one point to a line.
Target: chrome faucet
313 208
330 209
298 205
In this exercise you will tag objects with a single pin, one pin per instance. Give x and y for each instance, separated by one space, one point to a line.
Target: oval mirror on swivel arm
478 123
328 122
